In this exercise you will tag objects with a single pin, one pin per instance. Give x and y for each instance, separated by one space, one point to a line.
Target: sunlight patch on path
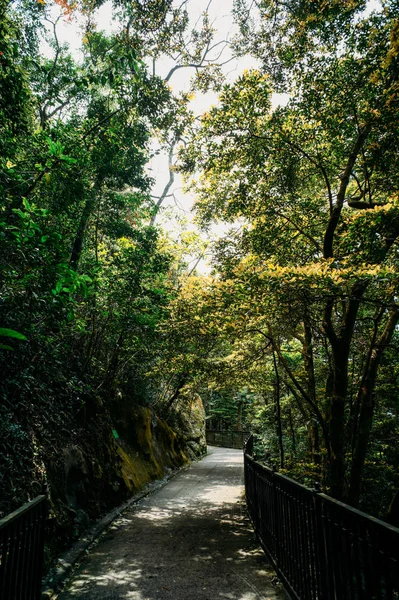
189 540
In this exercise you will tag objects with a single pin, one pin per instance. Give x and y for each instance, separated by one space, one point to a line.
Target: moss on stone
136 471
147 447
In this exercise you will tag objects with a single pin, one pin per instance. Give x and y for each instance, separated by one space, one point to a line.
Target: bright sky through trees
177 208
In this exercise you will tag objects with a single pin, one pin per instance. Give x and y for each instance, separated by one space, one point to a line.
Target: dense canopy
294 332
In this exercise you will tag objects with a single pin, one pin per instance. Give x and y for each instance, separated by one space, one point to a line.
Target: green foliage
295 334
84 276
306 282
11 333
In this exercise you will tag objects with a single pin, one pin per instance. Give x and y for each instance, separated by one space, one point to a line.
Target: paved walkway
190 540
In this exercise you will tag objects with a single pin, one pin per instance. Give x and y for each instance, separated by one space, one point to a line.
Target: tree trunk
293 436
340 345
313 442
278 413
364 365
312 428
296 384
307 352
337 423
366 403
239 416
80 234
335 213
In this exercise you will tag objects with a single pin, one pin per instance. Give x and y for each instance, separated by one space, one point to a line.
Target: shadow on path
189 540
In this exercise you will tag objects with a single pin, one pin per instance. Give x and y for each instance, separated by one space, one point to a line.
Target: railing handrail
16 514
358 512
322 548
326 497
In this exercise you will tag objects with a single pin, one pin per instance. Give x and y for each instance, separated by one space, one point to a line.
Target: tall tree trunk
302 391
340 345
364 365
313 442
278 412
307 352
312 427
239 415
292 429
337 423
366 403
80 234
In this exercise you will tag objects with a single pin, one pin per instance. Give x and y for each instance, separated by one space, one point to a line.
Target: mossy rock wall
96 470
85 469
148 447
84 479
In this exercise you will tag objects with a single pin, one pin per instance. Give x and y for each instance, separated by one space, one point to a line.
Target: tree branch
302 391
345 177
167 186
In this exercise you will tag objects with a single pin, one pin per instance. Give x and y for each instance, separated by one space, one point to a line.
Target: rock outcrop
188 421
102 462
147 446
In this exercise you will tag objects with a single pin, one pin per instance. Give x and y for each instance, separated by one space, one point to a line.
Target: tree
86 281
315 189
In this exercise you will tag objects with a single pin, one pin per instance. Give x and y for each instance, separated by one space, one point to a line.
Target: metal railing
22 551
226 439
321 548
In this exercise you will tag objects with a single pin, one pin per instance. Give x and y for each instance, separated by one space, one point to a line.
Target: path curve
190 540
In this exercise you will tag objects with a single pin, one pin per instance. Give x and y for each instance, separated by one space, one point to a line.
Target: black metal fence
322 549
227 439
22 550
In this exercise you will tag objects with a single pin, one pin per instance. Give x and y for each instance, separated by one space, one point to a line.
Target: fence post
250 445
255 501
321 550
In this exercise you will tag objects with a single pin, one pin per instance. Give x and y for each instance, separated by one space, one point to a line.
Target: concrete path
191 540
